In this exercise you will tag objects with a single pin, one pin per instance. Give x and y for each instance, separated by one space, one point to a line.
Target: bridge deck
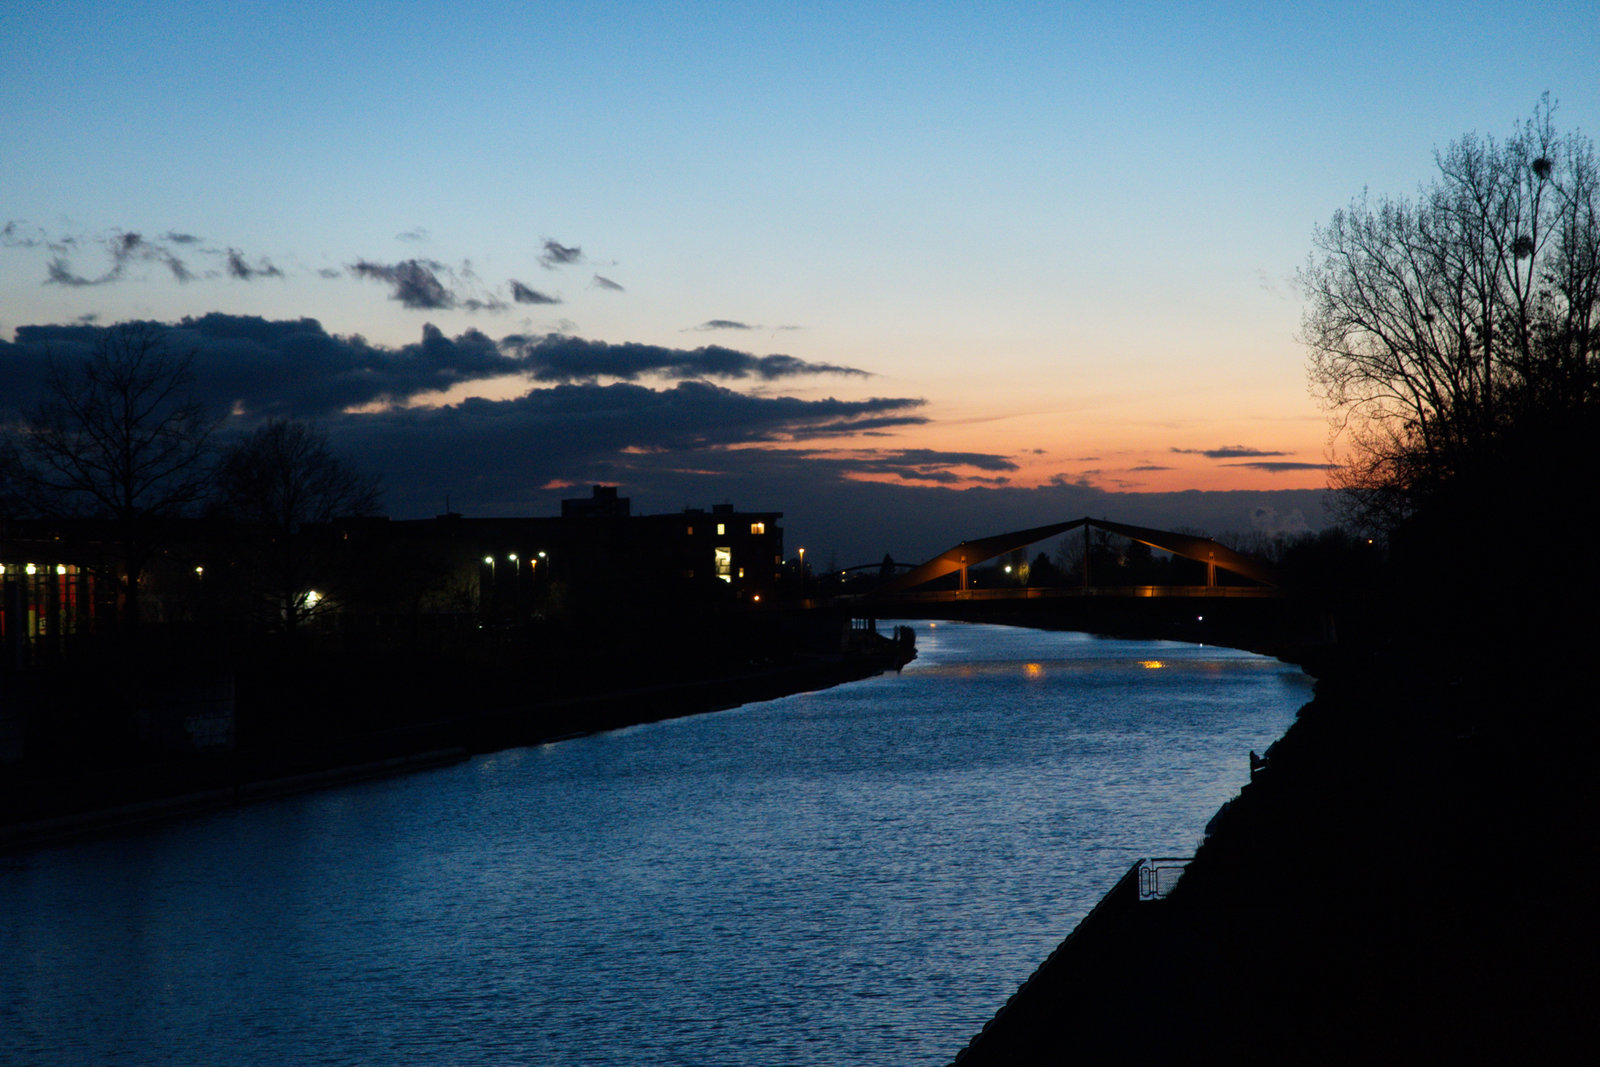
1186 592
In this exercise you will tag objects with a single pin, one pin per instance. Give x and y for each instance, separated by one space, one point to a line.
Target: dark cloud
556 254
922 464
17 234
1280 467
330 272
295 368
1228 452
523 294
238 268
559 358
497 450
124 248
261 367
417 233
723 324
414 281
602 282
59 273
174 237
1150 467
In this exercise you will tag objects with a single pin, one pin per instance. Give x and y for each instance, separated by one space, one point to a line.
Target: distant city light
489 560
1151 664
512 557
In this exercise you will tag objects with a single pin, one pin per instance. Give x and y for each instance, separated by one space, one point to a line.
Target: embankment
408 731
1407 879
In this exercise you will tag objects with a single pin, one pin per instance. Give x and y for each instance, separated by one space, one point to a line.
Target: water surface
860 875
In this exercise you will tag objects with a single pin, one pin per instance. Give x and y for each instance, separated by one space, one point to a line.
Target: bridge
1243 601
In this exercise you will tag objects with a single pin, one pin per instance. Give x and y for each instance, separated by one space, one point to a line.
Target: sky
888 268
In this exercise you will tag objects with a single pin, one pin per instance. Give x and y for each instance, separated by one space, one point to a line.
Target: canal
860 875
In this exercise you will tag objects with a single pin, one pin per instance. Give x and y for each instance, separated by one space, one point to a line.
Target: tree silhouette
1439 327
121 437
283 484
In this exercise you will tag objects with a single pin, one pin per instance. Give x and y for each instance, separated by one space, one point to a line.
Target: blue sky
1070 230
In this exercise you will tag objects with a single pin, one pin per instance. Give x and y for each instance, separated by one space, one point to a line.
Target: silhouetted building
602 504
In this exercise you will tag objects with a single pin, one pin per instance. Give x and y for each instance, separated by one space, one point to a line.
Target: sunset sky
1042 248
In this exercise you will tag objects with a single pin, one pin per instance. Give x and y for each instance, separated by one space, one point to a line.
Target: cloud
556 254
330 272
1280 467
602 282
722 324
522 294
12 235
127 247
180 238
1227 452
921 464
238 268
1149 467
498 450
124 248
559 358
414 281
290 368
417 233
295 368
59 273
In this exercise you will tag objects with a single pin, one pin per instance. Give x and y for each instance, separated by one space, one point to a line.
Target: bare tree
120 437
284 485
1438 324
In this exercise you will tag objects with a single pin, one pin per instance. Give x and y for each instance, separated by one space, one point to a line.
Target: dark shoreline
1406 878
218 787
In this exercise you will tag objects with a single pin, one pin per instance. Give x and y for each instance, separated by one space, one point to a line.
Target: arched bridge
1242 601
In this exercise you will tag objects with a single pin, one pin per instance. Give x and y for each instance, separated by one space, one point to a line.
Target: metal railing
1159 875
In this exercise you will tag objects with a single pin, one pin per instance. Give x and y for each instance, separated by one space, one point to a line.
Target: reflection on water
860 875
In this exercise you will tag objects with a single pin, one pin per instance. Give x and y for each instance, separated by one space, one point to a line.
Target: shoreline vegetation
309 715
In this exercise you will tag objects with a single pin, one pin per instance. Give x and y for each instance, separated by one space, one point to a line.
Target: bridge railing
1158 875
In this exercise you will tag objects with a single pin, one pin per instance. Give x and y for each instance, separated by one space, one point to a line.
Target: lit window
691 531
758 528
723 557
722 529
